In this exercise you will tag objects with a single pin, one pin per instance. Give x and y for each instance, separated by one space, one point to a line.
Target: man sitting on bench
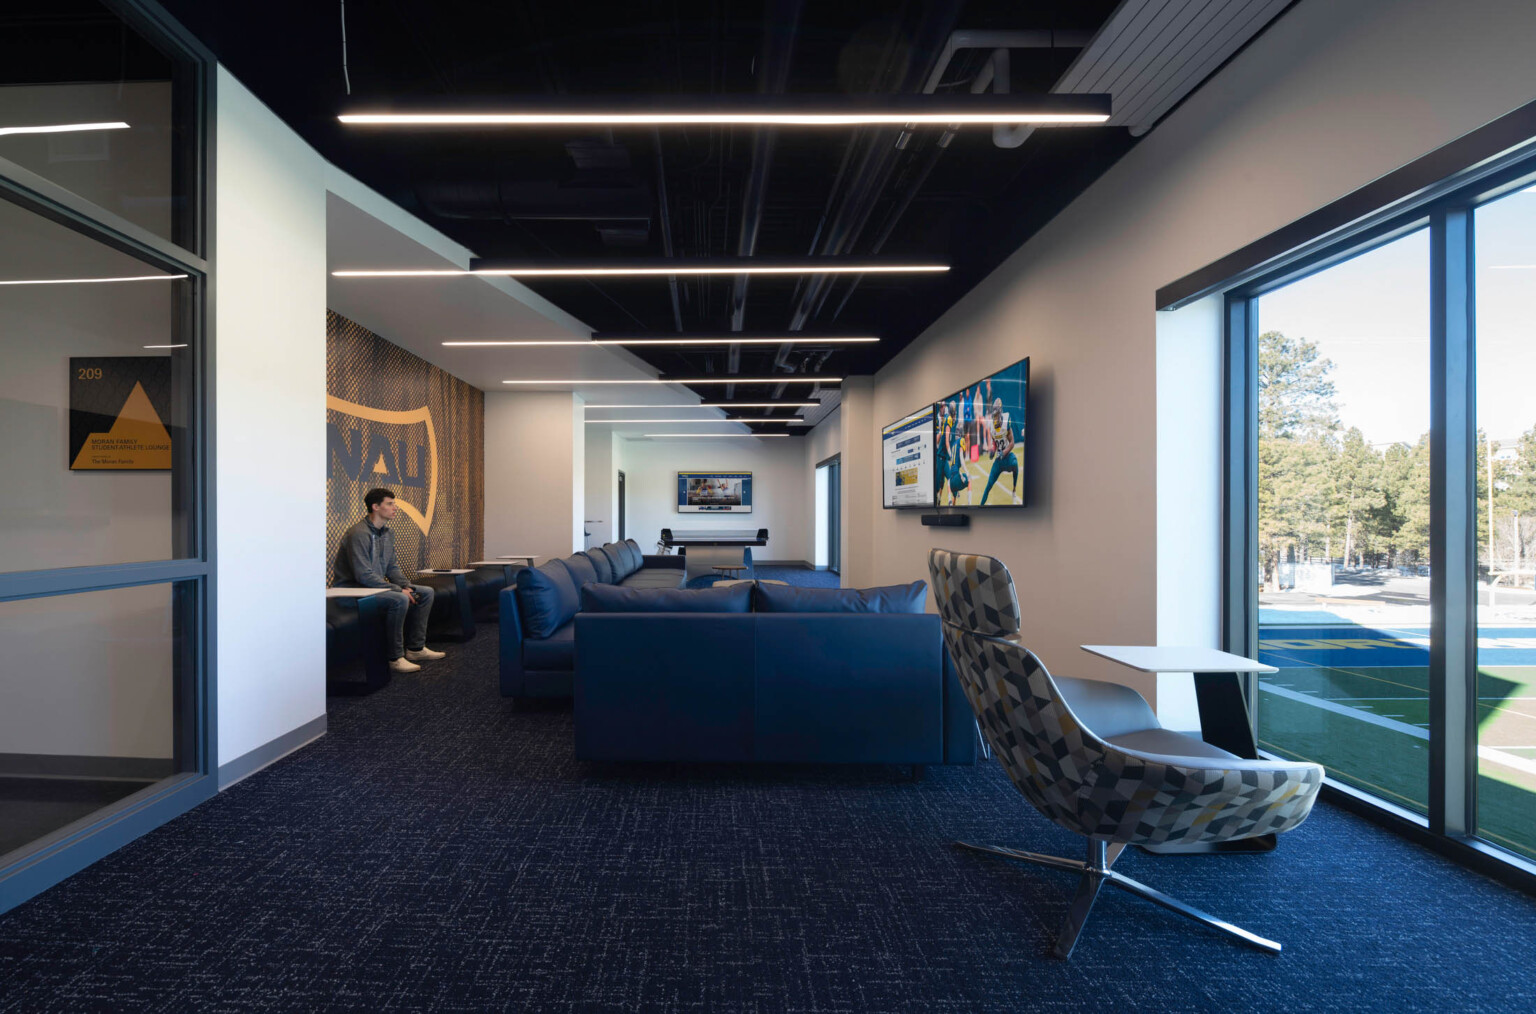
366 559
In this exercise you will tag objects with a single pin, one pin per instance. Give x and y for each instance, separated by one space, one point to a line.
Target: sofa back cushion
635 553
615 569
619 554
546 598
604 598
582 571
896 598
600 564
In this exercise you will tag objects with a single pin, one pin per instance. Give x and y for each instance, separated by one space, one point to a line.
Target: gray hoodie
366 558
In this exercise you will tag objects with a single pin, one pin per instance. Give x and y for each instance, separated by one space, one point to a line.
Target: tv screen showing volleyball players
907 446
979 441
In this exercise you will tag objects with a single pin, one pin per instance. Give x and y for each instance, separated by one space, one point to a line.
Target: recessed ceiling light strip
64 128
715 436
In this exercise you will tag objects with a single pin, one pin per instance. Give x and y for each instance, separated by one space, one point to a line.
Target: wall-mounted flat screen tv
907 449
714 492
979 441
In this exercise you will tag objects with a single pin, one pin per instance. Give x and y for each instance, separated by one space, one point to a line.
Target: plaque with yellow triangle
136 437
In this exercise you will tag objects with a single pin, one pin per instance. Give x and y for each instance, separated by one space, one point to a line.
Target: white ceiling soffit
419 314
1152 53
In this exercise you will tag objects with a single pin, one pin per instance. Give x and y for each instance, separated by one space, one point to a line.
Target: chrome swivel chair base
1096 872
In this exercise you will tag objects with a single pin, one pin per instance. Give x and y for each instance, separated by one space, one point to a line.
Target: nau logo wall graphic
397 421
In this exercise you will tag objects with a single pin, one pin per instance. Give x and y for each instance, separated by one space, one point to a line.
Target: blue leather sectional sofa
767 673
538 637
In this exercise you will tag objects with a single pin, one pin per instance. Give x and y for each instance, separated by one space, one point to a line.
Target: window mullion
1453 527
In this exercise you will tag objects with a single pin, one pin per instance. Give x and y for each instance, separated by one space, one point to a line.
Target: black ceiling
579 194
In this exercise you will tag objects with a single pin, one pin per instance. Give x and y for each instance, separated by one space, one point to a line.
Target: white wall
269 421
535 476
1189 491
602 487
824 440
1331 97
781 490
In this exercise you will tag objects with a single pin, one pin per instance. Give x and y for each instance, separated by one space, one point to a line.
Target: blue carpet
790 575
440 850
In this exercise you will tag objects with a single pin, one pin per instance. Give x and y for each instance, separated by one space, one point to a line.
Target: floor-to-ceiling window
1381 499
1343 519
1505 253
105 581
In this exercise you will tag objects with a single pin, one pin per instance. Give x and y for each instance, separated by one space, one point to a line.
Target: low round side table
729 569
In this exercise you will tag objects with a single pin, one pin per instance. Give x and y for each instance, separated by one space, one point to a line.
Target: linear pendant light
64 128
792 338
700 422
786 379
716 436
653 268
721 404
753 109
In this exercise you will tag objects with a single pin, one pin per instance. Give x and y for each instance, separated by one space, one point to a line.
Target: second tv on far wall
966 450
714 492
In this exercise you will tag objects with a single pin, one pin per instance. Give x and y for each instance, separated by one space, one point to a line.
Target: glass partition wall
1381 508
105 564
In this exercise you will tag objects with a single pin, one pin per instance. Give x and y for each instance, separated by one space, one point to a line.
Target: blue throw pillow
581 569
600 564
546 598
621 566
607 598
896 598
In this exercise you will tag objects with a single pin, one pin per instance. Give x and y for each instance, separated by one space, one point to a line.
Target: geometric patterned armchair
1091 756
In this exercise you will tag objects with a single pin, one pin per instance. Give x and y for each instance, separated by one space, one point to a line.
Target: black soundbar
947 520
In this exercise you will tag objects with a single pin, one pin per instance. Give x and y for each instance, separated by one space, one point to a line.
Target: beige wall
1331 97
602 486
782 493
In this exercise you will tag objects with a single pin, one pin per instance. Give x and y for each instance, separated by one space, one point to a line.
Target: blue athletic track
1354 646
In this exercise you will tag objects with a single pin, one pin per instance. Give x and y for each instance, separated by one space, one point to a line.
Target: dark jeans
405 624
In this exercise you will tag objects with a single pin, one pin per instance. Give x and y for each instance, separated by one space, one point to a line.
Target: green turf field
1003 492
1369 727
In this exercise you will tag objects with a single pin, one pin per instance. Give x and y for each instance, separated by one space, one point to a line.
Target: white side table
351 593
1225 687
527 558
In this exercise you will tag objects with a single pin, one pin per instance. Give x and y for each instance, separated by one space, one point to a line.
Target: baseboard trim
270 753
95 769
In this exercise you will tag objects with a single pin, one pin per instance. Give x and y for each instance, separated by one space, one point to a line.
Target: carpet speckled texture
440 850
